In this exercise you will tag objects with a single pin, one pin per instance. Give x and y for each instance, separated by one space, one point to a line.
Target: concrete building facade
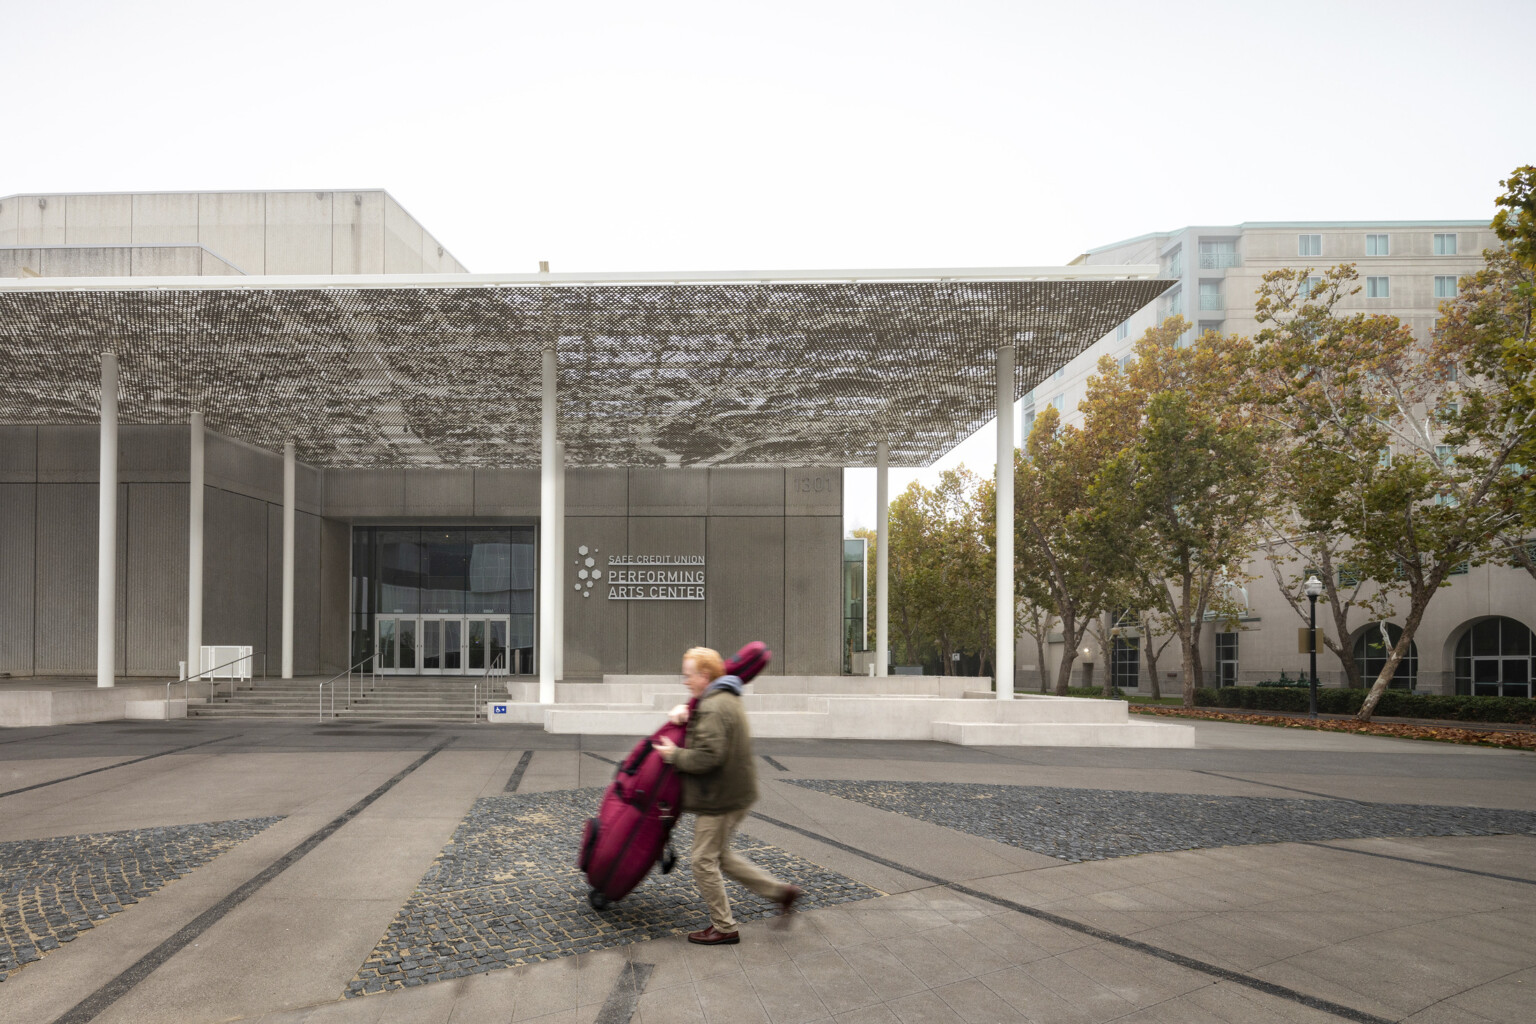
1477 634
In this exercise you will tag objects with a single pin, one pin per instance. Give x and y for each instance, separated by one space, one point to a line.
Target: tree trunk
1045 679
1190 668
1410 627
1157 691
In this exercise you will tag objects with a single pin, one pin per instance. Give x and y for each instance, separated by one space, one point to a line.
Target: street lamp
1314 589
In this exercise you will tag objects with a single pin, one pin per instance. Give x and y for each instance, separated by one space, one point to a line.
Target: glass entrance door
432 645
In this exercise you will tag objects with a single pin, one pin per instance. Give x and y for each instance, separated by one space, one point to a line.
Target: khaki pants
712 853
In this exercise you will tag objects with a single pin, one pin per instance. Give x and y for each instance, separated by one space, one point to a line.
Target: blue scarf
731 683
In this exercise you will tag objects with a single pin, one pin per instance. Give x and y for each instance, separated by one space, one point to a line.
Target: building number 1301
814 484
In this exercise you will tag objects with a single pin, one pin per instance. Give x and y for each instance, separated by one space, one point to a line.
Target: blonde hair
707 660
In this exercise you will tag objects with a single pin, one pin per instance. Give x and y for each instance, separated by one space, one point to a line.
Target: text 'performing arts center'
562 476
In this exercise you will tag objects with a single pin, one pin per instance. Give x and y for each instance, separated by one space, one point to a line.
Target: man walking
719 786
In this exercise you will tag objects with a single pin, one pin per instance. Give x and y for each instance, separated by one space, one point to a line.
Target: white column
882 558
195 547
1005 602
106 527
549 555
560 560
288 489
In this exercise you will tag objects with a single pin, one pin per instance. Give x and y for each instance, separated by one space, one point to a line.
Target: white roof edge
1106 272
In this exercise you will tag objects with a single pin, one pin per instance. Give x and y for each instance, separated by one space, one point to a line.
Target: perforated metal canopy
784 369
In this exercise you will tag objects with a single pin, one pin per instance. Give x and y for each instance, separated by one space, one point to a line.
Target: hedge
1393 703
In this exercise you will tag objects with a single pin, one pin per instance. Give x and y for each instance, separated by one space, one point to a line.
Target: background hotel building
1476 636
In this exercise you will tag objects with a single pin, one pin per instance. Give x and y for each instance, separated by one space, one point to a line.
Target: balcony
1219 260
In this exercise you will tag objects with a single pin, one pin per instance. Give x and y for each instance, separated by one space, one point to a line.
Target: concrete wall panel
9 209
98 220
660 631
596 629
433 493
216 266
234 225
746 492
746 584
813 491
241 468
299 232
335 581
40 220
353 493
235 569
812 595
100 262
402 240
165 217
508 492
65 626
357 233
167 261
668 492
18 569
17 262
596 492
18 454
156 608
154 453
70 454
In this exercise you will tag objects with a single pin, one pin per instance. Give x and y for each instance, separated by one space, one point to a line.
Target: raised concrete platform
68 700
850 707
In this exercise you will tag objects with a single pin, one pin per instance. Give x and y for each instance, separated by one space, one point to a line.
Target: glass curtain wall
441 571
855 605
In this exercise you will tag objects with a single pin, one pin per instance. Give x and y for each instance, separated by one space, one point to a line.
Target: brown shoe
710 937
787 905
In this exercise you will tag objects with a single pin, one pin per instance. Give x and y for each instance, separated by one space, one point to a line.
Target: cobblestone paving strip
53 889
1097 824
506 891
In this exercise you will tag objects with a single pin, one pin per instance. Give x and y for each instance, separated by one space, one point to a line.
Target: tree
941 572
1195 476
1151 626
1315 483
1409 447
1035 622
1489 324
1068 549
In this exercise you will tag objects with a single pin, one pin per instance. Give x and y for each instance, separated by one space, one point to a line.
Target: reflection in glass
407 644
386 643
452 633
477 643
431 645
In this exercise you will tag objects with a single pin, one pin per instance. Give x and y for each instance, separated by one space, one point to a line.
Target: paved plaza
393 872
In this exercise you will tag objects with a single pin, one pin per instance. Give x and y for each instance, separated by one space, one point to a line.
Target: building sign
641 577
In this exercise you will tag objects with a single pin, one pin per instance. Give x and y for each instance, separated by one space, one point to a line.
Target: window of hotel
1376 245
1059 402
1309 245
1218 254
1371 655
1210 327
1175 263
1210 295
1445 286
1445 245
1310 285
1122 331
1495 659
1377 288
1125 361
1226 659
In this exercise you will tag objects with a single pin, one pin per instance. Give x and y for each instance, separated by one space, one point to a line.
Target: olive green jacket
716 765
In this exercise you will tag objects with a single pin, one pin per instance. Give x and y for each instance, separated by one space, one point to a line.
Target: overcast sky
636 136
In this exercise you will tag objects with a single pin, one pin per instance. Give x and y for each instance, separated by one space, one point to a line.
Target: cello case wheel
597 900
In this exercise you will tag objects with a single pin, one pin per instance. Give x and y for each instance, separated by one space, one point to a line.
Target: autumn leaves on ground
1513 738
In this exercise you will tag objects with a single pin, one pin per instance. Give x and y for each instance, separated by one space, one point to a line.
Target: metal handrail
320 692
186 682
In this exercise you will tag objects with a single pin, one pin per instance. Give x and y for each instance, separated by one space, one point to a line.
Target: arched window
1496 658
1371 655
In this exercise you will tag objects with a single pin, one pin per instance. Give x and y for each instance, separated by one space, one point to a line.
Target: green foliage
942 572
1393 703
